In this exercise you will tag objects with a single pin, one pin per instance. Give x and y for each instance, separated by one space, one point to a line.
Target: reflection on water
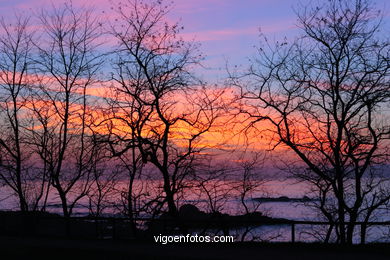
229 202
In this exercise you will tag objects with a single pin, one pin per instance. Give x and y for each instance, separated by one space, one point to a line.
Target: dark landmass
45 248
43 235
191 219
192 213
285 199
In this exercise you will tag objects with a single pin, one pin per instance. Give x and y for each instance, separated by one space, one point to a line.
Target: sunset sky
111 92
226 29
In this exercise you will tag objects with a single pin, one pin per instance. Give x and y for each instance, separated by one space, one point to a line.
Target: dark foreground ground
49 248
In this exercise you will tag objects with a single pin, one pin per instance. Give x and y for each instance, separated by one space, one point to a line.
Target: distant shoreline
285 199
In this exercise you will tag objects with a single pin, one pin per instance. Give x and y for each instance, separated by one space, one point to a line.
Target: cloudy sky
226 29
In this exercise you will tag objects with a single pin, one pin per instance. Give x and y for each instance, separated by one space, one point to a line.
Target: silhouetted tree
213 185
67 62
105 177
158 103
323 96
16 168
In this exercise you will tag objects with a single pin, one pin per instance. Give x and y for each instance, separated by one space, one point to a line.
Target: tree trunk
340 210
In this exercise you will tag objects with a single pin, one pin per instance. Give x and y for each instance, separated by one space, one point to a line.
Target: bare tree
323 97
16 168
213 185
105 178
68 63
250 180
164 113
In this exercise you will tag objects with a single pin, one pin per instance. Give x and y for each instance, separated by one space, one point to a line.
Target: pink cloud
225 34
